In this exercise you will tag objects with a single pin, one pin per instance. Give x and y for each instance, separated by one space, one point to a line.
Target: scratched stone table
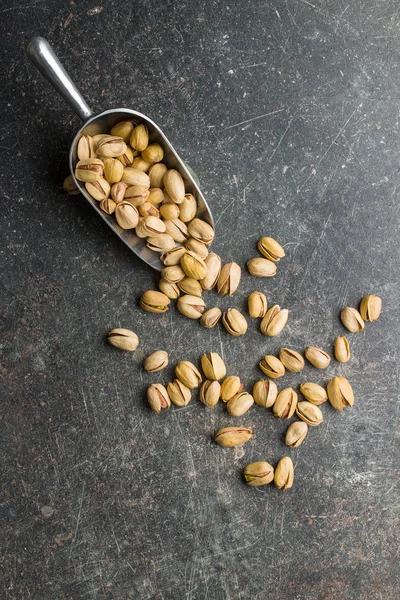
289 113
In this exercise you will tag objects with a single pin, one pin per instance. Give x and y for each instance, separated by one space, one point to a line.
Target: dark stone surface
102 498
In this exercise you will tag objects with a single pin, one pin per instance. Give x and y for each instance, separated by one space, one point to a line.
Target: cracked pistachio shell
118 191
178 392
197 247
190 286
174 186
173 274
191 306
188 374
155 302
271 366
140 164
261 267
156 174
111 146
137 195
132 176
296 434
157 397
313 392
233 436
274 321
270 249
108 206
230 387
169 211
124 339
173 256
153 153
140 229
99 190
258 473
285 404
171 290
229 279
113 170
160 243
265 393
177 230
157 361
193 265
201 231
127 158
292 360
86 147
210 392
370 307
257 304
123 129
213 263
211 317
188 208
340 393
89 170
70 187
309 413
234 322
352 319
127 215
139 138
342 349
156 196
239 404
148 210
284 473
153 226
317 357
213 366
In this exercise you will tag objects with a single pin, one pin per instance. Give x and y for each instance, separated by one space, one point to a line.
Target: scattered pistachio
352 319
261 267
124 339
201 231
173 274
313 392
230 387
213 366
258 473
178 392
171 290
257 303
229 279
213 264
296 434
155 302
340 393
317 357
270 249
193 265
272 366
370 307
265 393
285 404
191 306
292 360
233 436
274 321
342 349
191 286
157 361
157 397
234 322
309 413
197 247
284 473
188 374
211 317
210 392
239 404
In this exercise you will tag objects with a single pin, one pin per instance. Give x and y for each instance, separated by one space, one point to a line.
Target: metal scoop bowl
43 57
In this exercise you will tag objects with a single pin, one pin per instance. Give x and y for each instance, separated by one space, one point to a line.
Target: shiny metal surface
42 55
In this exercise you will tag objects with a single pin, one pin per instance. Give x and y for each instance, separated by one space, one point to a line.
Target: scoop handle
43 57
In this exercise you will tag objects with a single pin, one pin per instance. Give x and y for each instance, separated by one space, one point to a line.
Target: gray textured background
104 499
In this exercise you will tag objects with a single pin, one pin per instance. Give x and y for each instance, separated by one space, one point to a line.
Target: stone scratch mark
315 252
78 520
337 136
274 112
84 402
280 141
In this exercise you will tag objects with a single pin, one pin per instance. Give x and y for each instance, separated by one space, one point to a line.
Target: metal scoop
41 54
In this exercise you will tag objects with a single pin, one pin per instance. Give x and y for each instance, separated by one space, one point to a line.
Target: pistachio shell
340 393
317 357
124 339
233 436
191 306
270 249
272 366
157 361
230 387
313 392
342 349
188 374
261 267
213 366
285 404
370 307
210 392
229 279
265 393
257 303
258 473
296 434
178 392
309 413
239 404
234 322
352 319
284 473
211 317
274 321
292 360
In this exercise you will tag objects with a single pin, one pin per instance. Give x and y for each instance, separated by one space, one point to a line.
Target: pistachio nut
111 146
70 187
257 304
133 176
340 393
352 319
177 230
197 247
148 210
140 228
153 153
123 129
113 170
258 473
156 196
173 256
174 185
153 226
188 208
89 170
229 279
213 366
317 357
193 265
342 349
178 392
191 306
370 307
272 366
284 473
296 434
108 206
230 387
139 138
127 215
292 360
270 249
124 339
234 322
137 195
98 137
86 148
285 404
187 373
127 158
265 393
118 191
99 190
157 361
210 392
309 413
156 174
155 302
274 321
157 397
191 286
173 274
160 243
211 317
261 267
140 164
169 211
313 392
213 263
239 404
171 290
202 231
233 436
